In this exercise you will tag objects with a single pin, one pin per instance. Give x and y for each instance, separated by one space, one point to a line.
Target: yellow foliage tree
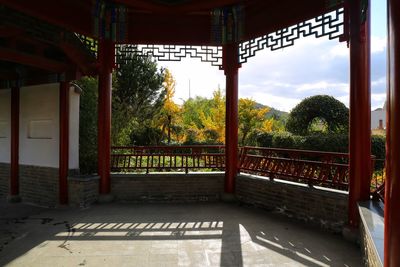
214 122
170 111
251 118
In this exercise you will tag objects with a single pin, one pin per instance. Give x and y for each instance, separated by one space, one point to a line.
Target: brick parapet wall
326 208
4 179
167 187
39 185
83 190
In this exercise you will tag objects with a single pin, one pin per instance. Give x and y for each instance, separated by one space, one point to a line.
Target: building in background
378 118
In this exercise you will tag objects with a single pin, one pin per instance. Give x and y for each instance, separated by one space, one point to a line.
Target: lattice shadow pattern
330 24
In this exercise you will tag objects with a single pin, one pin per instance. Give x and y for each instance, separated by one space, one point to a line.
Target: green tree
320 113
138 96
88 125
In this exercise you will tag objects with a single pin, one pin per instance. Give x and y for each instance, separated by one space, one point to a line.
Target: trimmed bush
378 148
326 142
283 140
319 142
320 109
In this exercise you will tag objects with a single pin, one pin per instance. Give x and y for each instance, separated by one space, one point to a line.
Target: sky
282 78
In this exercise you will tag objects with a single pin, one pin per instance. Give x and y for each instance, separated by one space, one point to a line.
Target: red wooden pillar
360 108
106 64
231 69
392 189
14 172
64 143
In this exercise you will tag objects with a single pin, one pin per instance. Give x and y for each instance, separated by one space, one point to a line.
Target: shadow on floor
213 234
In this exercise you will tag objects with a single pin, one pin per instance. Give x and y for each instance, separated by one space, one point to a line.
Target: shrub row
318 142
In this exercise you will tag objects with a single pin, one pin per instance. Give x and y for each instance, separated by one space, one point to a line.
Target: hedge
318 142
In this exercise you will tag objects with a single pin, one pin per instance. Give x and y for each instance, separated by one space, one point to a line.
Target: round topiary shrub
320 113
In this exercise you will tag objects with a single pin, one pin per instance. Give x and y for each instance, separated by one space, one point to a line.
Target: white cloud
345 99
380 81
279 102
378 44
378 97
320 86
281 78
339 50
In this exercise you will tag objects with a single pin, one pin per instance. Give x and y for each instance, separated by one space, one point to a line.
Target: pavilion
60 41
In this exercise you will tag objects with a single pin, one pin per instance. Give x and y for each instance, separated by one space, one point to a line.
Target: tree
88 125
170 110
138 96
252 118
320 113
214 121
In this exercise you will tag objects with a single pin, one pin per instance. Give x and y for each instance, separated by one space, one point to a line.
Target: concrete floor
215 234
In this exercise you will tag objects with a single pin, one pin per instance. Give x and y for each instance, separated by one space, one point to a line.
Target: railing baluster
313 167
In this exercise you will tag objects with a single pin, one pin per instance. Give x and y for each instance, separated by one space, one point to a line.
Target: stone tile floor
214 234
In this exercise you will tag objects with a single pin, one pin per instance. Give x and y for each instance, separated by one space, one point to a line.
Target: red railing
314 168
378 180
167 158
311 167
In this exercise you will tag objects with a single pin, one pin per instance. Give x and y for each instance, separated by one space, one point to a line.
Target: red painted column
392 189
360 109
106 64
14 172
64 143
231 69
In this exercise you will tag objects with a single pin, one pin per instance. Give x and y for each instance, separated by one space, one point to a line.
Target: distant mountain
277 114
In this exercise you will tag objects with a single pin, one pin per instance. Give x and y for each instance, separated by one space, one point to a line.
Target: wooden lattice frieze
211 54
330 24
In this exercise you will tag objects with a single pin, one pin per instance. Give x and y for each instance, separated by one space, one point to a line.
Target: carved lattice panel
211 54
330 24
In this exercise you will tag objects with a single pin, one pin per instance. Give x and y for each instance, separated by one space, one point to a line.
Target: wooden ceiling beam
181 8
36 61
75 16
84 63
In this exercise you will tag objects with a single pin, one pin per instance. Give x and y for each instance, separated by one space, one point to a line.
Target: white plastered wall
39 126
5 125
